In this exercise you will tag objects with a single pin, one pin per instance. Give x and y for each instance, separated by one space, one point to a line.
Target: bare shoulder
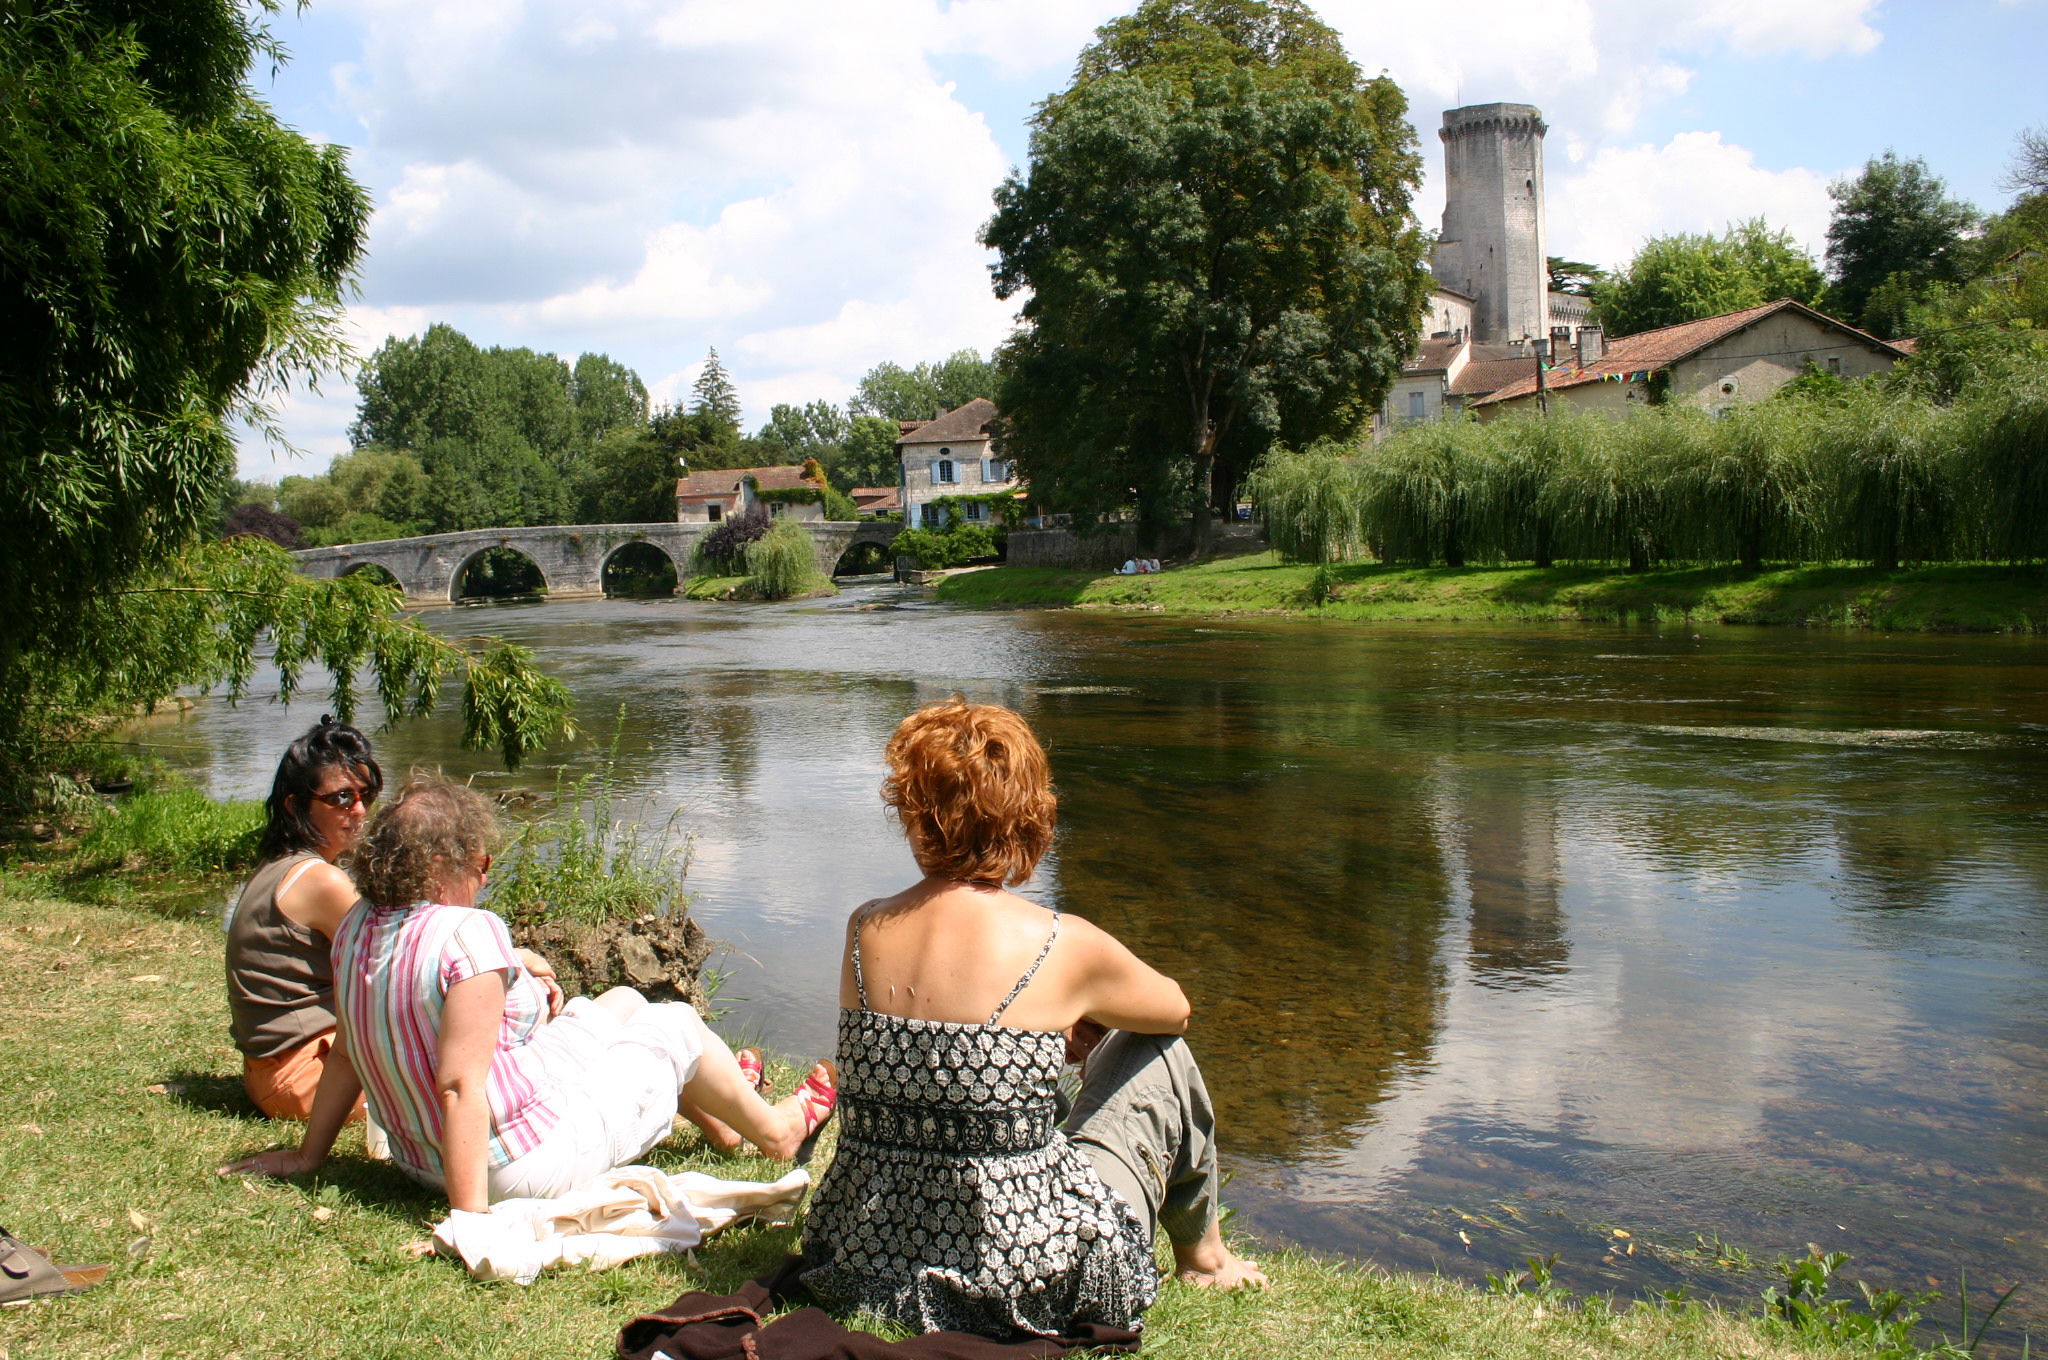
319 897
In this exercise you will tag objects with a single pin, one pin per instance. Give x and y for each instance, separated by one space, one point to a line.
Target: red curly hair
971 785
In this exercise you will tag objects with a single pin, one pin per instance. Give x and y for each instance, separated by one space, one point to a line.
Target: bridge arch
375 570
641 569
497 571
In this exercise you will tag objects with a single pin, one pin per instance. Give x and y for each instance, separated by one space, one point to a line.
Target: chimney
1560 343
1592 344
1516 345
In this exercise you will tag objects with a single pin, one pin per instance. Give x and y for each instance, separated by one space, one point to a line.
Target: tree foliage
713 398
894 393
169 254
1894 237
1216 241
1688 276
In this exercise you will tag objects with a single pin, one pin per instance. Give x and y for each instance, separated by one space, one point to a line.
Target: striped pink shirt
392 972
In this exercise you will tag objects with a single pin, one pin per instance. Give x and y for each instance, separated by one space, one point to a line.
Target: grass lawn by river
122 1095
1937 598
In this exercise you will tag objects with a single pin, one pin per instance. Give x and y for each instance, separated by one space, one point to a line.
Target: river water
1647 948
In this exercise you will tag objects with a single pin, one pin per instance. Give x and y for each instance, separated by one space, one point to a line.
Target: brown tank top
280 976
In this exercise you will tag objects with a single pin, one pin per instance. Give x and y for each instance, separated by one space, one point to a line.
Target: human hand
544 973
278 1162
1082 1039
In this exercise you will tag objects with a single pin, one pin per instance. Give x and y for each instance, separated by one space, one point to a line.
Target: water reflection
1497 941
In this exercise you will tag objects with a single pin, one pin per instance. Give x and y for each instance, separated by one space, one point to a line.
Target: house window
713 511
994 470
1415 405
977 511
942 471
775 509
928 516
1835 365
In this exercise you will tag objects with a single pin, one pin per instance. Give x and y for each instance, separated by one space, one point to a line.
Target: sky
799 183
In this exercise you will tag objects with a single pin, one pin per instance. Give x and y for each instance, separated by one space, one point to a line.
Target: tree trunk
1543 546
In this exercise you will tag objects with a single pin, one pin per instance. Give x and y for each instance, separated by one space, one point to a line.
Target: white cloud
794 182
1603 210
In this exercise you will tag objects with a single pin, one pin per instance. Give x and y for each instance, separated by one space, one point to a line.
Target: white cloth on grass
630 1212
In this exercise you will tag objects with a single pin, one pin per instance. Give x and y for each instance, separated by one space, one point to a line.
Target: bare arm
543 973
332 1105
470 1017
1119 990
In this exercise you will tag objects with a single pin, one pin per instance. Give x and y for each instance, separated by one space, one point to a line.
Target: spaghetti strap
860 985
1022 982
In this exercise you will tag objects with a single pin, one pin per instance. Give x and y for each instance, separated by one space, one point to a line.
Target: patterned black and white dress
954 1202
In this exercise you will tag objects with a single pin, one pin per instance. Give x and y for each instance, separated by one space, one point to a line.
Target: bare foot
1208 1264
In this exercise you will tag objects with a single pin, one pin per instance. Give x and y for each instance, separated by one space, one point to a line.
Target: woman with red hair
959 1199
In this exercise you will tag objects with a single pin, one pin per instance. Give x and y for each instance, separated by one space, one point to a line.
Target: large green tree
1895 235
894 392
1687 276
169 254
1217 253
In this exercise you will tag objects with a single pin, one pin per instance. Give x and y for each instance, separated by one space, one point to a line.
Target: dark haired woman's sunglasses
341 800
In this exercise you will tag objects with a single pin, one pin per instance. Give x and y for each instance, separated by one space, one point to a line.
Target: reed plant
580 862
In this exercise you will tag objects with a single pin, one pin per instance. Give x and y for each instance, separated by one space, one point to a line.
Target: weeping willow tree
1309 501
2004 467
1418 489
1880 480
1732 499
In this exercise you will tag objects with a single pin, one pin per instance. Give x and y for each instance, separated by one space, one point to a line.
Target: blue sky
799 182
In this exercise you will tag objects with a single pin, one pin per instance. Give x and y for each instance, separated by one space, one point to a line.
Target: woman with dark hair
482 1091
958 1199
280 982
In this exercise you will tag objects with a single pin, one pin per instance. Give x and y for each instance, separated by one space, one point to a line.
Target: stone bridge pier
571 557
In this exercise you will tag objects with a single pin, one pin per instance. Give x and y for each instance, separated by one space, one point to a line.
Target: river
1644 947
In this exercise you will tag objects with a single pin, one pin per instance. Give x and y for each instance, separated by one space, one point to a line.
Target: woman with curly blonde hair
481 1088
958 1198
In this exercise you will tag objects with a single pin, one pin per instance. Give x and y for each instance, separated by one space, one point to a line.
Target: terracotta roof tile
1433 355
962 423
1482 376
1648 351
726 481
878 497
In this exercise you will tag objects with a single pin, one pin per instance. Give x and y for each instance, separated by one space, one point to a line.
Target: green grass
744 588
105 1004
1947 598
173 826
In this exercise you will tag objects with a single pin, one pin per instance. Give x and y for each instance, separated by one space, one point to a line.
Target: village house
721 493
1714 363
875 501
950 456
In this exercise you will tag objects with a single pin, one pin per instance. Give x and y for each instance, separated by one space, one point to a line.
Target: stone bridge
571 557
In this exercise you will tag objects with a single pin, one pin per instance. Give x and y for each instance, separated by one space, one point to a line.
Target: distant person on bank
486 1085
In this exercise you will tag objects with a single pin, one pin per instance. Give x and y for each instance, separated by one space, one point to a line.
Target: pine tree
716 398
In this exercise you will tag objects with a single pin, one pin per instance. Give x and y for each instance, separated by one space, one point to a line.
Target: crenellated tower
1492 246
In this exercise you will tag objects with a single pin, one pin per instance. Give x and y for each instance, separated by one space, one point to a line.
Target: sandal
753 1069
816 1099
26 1273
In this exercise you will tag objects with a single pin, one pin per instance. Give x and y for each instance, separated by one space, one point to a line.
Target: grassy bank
1947 598
123 1096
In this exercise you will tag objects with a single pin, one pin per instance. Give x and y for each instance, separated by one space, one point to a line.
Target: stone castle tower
1492 246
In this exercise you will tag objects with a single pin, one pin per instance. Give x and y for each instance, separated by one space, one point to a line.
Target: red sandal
816 1099
753 1068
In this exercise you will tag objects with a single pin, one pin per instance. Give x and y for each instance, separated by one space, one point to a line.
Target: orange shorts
283 1086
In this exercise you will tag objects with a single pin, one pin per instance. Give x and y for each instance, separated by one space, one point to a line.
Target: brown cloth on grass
701 1326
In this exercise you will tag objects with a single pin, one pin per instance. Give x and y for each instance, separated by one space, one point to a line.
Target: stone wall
1102 552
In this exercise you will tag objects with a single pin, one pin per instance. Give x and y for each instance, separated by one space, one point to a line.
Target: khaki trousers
1144 1120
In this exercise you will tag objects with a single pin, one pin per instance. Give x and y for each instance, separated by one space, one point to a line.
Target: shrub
779 562
724 549
172 827
950 548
